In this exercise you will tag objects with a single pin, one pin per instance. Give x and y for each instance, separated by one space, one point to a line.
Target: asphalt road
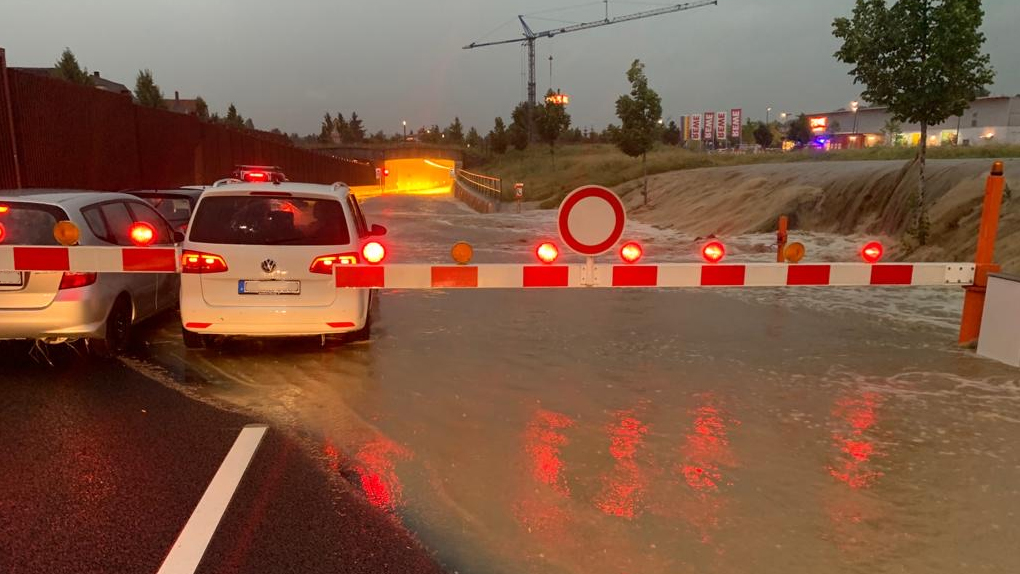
101 467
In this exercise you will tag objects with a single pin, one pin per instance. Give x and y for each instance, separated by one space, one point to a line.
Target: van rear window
28 223
247 220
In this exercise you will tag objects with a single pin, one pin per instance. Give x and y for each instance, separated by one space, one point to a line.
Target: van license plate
11 279
245 287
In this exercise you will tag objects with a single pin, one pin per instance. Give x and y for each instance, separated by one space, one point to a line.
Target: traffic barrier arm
90 259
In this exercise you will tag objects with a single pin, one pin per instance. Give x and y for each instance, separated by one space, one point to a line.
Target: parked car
258 261
100 308
175 205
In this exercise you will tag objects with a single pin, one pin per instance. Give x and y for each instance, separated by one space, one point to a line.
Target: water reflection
624 487
375 466
541 509
855 417
706 454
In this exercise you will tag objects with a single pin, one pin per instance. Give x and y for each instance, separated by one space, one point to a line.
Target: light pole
405 130
854 106
768 115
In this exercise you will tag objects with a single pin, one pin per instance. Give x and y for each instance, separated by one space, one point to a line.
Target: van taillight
73 280
324 264
198 262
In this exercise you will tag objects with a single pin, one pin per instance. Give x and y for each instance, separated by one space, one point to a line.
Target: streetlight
854 106
768 114
405 130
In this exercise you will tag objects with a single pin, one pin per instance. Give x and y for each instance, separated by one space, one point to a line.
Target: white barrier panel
1000 323
669 275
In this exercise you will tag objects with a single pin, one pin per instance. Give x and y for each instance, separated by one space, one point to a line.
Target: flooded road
612 431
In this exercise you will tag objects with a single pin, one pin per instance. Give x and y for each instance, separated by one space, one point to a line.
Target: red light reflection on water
705 454
624 487
375 465
856 416
543 439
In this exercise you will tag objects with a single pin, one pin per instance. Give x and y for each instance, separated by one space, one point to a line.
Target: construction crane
531 36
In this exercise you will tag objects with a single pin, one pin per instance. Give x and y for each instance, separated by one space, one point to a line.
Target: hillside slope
870 197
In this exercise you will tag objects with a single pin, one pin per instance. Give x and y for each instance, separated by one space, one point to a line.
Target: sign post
518 194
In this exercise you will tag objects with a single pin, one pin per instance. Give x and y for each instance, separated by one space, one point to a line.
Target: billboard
720 126
696 127
736 119
709 125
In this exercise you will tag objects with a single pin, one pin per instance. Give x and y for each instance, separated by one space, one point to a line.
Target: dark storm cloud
286 63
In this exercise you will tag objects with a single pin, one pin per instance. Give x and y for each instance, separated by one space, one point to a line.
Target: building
986 121
179 106
98 82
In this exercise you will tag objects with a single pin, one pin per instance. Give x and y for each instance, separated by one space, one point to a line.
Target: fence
489 187
61 135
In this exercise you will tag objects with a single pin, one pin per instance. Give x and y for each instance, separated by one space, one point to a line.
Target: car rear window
23 223
176 210
248 220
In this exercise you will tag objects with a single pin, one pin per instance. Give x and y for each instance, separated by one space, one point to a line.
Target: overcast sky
285 63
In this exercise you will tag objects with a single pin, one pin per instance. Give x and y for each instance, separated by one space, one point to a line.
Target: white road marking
187 551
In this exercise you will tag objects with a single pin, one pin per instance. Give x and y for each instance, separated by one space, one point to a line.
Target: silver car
101 308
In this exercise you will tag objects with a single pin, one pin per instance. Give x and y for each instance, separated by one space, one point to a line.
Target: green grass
603 164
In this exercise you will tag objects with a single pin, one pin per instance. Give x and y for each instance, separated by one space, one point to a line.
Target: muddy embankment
867 197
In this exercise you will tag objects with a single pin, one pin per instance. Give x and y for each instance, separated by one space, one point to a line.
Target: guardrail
490 187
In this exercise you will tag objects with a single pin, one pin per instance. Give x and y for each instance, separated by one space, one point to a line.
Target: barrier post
781 238
974 300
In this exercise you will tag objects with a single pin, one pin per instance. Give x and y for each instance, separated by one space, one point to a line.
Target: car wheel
364 333
193 340
118 330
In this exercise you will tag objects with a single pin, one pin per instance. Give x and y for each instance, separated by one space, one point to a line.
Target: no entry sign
591 220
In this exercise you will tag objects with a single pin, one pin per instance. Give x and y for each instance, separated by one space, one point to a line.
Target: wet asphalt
101 467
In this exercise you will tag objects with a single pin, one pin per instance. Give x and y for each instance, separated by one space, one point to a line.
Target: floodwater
642 431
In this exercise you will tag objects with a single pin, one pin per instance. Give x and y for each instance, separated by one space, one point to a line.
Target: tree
920 58
343 129
763 135
326 129
248 124
147 93
799 131
356 128
67 68
891 131
472 139
551 120
671 135
455 133
233 118
498 138
201 108
519 133
639 115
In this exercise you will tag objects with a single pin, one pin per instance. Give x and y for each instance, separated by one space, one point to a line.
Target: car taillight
373 252
197 262
324 264
3 232
73 280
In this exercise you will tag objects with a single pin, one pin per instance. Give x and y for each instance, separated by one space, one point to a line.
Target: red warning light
547 252
713 252
373 252
631 252
386 172
256 176
872 252
142 234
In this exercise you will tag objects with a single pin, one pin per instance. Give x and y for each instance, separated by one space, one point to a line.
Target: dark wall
70 136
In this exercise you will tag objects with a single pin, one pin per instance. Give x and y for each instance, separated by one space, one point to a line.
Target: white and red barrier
89 259
664 275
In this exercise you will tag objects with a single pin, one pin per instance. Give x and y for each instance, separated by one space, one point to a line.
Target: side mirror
377 230
178 236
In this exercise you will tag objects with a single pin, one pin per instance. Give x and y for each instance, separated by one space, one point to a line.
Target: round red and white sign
591 220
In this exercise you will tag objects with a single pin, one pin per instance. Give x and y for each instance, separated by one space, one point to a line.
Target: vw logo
269 265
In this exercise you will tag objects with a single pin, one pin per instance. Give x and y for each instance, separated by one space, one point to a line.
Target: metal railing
490 187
